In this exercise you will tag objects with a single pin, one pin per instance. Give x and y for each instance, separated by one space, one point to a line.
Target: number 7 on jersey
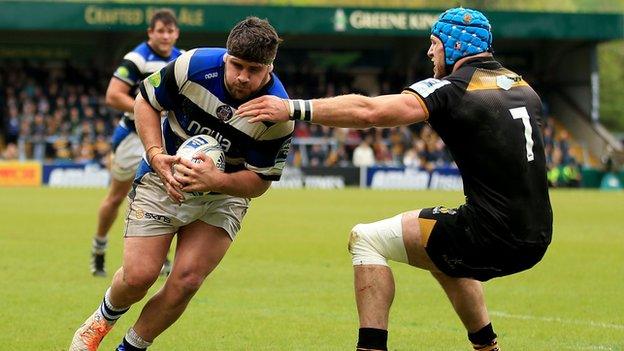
523 114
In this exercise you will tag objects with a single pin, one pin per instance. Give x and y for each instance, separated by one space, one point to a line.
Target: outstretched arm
351 111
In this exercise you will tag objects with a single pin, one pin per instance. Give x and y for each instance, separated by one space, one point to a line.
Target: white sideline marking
559 320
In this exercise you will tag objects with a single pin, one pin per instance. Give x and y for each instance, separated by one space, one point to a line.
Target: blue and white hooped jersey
192 90
140 63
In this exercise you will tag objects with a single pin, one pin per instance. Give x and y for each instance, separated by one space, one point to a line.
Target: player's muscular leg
374 292
199 250
142 261
110 205
466 296
397 238
415 242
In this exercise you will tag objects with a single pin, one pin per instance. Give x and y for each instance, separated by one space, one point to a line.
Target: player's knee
188 283
376 243
139 279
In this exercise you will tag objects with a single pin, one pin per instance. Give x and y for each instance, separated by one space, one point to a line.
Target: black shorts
460 247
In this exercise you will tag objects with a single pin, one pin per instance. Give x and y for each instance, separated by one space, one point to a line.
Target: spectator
412 157
363 155
10 152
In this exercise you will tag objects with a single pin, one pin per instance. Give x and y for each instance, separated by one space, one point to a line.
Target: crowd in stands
417 146
563 168
56 113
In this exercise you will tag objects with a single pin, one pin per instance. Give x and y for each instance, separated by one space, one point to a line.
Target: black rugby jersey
489 118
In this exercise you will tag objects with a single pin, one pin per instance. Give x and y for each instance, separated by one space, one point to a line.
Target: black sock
129 347
371 338
485 336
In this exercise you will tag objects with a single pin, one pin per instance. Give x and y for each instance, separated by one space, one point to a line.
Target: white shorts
127 153
151 212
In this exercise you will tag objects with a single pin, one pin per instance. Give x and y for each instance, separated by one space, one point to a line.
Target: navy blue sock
129 347
111 313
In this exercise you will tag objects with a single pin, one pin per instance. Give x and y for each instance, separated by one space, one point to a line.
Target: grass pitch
286 283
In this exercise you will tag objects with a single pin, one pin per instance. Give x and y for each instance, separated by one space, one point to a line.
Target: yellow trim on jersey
426 226
488 80
420 101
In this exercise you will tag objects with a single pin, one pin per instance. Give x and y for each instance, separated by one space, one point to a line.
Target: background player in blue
201 91
145 59
489 118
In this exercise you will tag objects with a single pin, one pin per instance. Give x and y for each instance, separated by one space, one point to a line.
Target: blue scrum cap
463 32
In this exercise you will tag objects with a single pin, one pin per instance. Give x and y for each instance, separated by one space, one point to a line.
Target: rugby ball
207 145
202 144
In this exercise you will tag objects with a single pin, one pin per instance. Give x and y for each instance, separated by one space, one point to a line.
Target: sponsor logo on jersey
282 154
443 210
504 82
224 113
194 128
211 75
154 79
425 87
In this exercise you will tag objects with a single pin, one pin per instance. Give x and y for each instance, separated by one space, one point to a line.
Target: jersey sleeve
130 69
436 96
162 88
268 157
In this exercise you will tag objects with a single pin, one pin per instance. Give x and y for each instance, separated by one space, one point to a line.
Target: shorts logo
224 113
157 217
444 210
139 213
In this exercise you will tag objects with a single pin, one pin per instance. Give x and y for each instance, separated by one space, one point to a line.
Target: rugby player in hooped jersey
201 91
489 119
145 59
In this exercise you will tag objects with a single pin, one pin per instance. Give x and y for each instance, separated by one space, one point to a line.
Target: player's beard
244 91
240 92
439 70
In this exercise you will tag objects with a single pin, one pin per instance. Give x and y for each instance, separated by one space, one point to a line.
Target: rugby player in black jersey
489 118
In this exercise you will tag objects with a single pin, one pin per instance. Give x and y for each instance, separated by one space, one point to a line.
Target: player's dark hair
253 39
164 15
